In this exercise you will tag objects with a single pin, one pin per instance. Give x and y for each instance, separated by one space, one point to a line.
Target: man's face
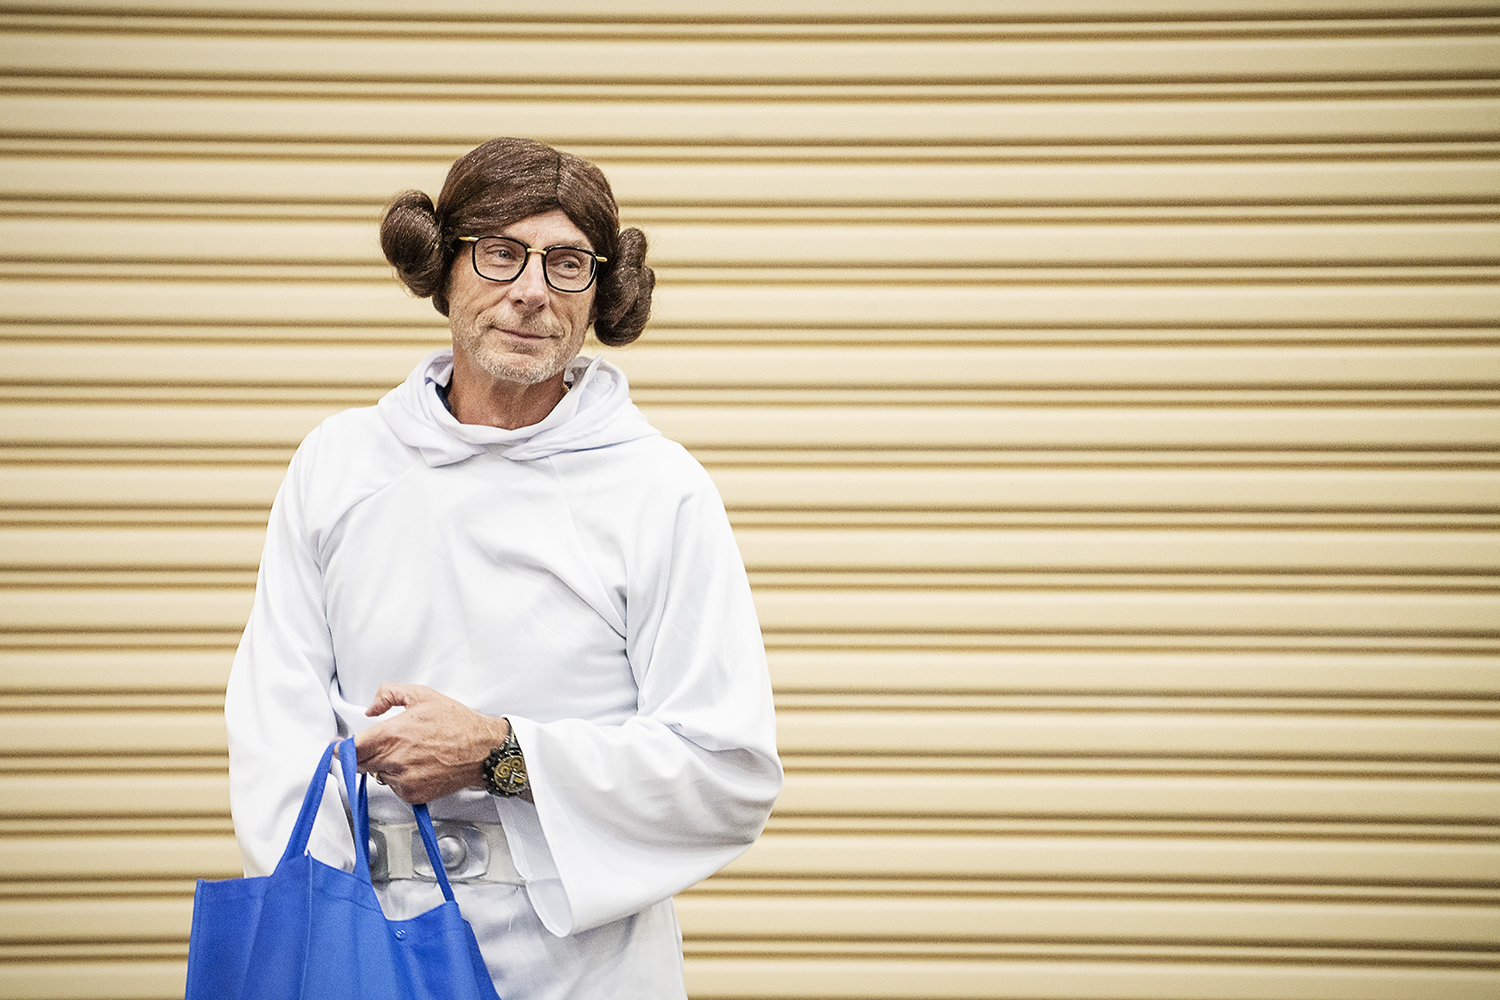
523 331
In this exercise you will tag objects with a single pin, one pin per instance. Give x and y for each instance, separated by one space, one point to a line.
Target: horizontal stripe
915 795
1128 551
1126 733
95 978
119 856
1328 862
910 795
136 486
758 304
474 53
1037 921
86 239
168 733
101 920
652 365
982 179
835 11
1367 673
115 669
879 549
719 977
702 116
1275 613
956 488
118 796
861 487
1268 612
891 669
1023 733
1050 977
1445 428
706 919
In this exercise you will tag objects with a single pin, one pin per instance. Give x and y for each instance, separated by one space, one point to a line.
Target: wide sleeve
276 708
628 815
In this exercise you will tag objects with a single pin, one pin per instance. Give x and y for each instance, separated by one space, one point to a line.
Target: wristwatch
505 769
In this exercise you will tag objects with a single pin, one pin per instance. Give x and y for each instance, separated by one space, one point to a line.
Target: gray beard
519 369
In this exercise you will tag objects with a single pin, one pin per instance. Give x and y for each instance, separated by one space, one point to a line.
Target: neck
477 397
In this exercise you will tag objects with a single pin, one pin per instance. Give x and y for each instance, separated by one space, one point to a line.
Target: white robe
578 577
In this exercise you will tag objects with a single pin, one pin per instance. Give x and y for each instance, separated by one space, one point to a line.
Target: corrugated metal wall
1104 394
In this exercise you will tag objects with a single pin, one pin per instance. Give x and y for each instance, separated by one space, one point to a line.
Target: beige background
1103 393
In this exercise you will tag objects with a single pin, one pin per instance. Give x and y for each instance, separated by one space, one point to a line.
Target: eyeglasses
500 258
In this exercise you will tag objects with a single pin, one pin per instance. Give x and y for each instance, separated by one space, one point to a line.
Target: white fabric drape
580 578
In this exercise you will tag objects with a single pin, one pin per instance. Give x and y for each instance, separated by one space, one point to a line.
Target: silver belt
471 852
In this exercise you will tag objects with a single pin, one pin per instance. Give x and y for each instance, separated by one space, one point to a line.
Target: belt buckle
463 848
471 852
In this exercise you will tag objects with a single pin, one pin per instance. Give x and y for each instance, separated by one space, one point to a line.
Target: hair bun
625 290
412 241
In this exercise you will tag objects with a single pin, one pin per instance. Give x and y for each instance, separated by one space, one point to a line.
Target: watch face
510 773
505 771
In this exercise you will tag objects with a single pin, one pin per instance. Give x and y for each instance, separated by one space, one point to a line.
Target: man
525 603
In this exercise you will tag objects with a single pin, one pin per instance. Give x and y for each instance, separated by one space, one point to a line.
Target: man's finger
370 747
388 696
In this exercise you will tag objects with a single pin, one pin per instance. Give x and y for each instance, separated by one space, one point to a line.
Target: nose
530 286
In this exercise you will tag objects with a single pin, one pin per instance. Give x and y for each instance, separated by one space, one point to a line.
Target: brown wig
505 181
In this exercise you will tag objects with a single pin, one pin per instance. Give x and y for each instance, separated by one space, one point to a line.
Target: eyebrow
571 246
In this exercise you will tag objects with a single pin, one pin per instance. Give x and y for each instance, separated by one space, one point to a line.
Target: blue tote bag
309 931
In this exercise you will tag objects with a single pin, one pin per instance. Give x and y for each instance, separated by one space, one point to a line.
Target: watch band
505 769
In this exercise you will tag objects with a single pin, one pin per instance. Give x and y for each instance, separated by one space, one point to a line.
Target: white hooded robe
578 577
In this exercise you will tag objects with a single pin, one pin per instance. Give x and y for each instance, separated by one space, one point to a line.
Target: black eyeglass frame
473 242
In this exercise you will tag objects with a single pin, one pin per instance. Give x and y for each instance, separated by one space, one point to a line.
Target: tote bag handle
359 800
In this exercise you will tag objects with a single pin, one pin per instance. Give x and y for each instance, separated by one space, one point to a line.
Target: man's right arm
277 711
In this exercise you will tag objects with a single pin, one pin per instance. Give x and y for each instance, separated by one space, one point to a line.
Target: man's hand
432 749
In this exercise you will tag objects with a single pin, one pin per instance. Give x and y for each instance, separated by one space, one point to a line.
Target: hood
596 412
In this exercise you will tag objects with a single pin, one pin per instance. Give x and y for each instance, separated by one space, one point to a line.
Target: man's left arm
633 813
